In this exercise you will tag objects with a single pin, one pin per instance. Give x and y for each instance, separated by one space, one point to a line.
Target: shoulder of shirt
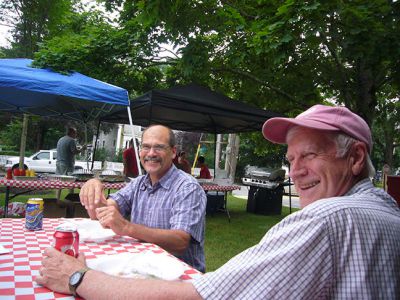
181 179
368 199
184 177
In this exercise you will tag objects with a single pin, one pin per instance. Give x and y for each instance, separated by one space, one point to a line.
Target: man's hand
56 269
110 217
92 196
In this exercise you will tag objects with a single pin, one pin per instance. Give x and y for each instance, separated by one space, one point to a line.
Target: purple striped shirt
176 202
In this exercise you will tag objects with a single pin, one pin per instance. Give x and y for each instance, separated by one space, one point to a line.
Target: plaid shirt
177 202
337 248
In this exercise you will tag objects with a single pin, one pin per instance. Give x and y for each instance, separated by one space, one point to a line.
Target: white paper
4 250
139 265
91 230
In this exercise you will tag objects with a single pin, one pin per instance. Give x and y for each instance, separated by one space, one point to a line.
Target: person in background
129 161
343 244
385 174
184 164
66 151
204 171
166 206
386 169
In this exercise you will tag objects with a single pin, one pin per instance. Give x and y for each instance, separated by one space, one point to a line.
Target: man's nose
297 169
152 152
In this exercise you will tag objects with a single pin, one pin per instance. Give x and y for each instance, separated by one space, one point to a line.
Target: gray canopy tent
193 108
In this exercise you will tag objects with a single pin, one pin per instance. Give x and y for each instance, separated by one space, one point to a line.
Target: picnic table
21 264
43 184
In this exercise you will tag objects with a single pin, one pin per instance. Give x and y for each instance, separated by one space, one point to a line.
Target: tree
91 45
283 56
31 22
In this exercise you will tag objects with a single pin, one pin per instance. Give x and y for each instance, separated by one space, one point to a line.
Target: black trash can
265 201
215 202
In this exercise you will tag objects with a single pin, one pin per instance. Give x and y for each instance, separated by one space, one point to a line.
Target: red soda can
66 239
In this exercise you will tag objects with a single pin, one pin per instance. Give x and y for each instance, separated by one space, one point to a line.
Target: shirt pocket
158 218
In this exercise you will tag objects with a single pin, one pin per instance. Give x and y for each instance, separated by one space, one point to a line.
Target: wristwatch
75 280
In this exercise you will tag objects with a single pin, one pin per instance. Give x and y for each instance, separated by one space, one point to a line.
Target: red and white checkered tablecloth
220 188
19 267
55 184
52 184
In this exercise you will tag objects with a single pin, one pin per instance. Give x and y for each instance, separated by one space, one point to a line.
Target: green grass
24 197
224 239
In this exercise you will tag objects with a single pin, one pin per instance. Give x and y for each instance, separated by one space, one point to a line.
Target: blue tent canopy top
42 92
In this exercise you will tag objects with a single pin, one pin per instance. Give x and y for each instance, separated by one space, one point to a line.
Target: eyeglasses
157 148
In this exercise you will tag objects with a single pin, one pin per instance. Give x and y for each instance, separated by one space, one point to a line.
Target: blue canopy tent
42 92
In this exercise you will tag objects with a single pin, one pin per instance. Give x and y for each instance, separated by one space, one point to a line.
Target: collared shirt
336 248
176 202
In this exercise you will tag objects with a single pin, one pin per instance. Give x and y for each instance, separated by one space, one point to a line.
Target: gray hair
343 144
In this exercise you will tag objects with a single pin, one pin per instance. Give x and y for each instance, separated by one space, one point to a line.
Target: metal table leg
226 206
6 201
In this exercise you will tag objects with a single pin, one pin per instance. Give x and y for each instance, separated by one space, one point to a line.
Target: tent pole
134 140
197 153
95 144
23 141
85 143
215 154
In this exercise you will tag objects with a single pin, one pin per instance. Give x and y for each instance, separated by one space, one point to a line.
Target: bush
118 156
10 153
101 154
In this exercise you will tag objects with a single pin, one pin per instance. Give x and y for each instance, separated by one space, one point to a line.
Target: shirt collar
360 186
165 181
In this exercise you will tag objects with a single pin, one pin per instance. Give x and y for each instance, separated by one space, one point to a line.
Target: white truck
44 161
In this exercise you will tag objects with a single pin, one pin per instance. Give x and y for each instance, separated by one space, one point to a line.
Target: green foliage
256 151
101 154
283 56
10 134
90 45
31 22
118 157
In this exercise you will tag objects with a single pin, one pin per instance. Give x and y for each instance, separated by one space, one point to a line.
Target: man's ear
358 158
174 154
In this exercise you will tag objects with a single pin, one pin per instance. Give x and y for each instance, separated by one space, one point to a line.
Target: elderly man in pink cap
343 244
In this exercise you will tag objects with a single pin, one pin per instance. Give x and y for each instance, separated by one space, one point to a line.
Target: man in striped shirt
166 206
343 244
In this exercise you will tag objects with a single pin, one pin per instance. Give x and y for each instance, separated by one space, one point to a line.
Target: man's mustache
153 159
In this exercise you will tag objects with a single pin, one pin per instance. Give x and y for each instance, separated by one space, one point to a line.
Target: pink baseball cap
331 118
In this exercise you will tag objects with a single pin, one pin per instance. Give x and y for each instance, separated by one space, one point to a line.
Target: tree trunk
366 102
389 147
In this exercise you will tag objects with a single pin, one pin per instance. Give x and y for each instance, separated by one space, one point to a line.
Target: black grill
266 190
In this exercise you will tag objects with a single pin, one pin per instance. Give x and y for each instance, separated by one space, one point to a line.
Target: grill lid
267 174
263 177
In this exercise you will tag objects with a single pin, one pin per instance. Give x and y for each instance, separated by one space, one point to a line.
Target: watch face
75 278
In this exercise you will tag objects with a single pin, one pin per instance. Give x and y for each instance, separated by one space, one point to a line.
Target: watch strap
72 288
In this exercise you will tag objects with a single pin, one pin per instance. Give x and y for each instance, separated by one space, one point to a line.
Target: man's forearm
174 241
93 287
